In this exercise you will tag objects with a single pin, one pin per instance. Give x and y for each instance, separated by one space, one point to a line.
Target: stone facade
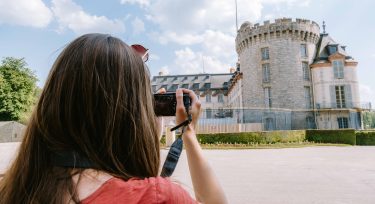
291 52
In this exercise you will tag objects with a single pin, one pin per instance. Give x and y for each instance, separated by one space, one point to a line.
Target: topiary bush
253 137
343 136
365 138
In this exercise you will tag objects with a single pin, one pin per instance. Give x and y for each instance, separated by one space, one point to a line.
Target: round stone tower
275 59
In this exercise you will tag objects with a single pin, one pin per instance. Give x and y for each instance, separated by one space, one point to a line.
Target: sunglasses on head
141 51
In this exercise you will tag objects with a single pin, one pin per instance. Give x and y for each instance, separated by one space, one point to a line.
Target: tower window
195 86
266 73
306 71
265 53
303 50
307 97
220 98
267 97
185 86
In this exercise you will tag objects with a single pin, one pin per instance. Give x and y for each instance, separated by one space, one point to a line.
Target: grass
265 146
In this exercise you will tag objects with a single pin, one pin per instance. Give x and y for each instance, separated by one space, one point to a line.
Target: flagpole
236 17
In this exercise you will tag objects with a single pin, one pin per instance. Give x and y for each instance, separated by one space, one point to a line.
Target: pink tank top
149 190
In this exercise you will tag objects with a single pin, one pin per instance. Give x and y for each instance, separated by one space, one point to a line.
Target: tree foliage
369 120
17 88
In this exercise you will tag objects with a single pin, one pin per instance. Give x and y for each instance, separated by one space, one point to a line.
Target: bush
365 138
344 136
253 137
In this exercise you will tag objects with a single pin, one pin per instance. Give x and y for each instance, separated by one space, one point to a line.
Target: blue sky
182 35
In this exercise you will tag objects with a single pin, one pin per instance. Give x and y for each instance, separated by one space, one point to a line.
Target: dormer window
195 78
332 49
195 86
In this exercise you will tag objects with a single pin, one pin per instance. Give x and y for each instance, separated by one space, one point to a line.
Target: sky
184 36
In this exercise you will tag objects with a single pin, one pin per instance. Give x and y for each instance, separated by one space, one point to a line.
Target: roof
327 47
202 81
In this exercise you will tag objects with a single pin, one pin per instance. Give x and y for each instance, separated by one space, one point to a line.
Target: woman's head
97 101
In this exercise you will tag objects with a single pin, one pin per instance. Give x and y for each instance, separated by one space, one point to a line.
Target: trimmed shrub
253 137
343 136
365 138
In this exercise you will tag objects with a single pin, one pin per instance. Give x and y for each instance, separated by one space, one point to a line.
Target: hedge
343 136
365 138
253 137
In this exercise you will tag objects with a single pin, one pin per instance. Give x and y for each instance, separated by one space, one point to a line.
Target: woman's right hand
195 108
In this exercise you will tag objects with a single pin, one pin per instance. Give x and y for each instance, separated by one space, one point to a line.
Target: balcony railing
346 105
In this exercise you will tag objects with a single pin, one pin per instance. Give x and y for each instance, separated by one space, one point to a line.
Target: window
343 122
265 53
185 78
154 79
185 86
195 78
175 78
207 85
266 73
338 69
173 87
195 86
306 71
208 98
307 97
154 88
332 49
310 123
270 124
340 97
164 79
303 50
220 98
207 77
267 97
208 113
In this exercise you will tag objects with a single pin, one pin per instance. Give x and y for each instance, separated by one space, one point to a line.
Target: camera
165 104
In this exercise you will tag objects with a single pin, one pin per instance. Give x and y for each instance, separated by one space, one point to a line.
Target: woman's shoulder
148 190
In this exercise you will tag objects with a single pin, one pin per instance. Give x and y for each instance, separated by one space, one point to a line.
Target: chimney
161 73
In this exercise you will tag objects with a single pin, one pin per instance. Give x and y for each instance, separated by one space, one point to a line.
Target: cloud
142 3
165 70
71 16
208 26
32 13
187 62
367 94
138 26
154 57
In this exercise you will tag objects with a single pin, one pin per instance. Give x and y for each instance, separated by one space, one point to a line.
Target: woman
97 104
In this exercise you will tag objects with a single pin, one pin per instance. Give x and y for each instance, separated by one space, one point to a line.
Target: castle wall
283 39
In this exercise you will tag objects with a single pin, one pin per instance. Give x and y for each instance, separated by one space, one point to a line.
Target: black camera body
165 104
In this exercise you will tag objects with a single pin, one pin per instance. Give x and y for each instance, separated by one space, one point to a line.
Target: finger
180 108
161 91
192 95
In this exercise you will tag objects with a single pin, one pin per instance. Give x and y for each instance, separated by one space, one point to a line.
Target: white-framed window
267 97
208 113
266 72
338 69
265 53
208 98
340 97
220 98
307 97
303 50
306 71
343 122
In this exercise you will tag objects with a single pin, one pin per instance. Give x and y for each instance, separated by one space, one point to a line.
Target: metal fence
254 119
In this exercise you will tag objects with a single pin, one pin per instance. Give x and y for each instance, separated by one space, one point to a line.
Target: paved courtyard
330 175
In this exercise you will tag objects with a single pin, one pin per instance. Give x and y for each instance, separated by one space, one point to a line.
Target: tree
17 88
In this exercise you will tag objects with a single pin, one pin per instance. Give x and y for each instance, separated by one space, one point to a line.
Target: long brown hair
97 101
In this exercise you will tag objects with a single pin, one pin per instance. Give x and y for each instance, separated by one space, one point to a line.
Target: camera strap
175 149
